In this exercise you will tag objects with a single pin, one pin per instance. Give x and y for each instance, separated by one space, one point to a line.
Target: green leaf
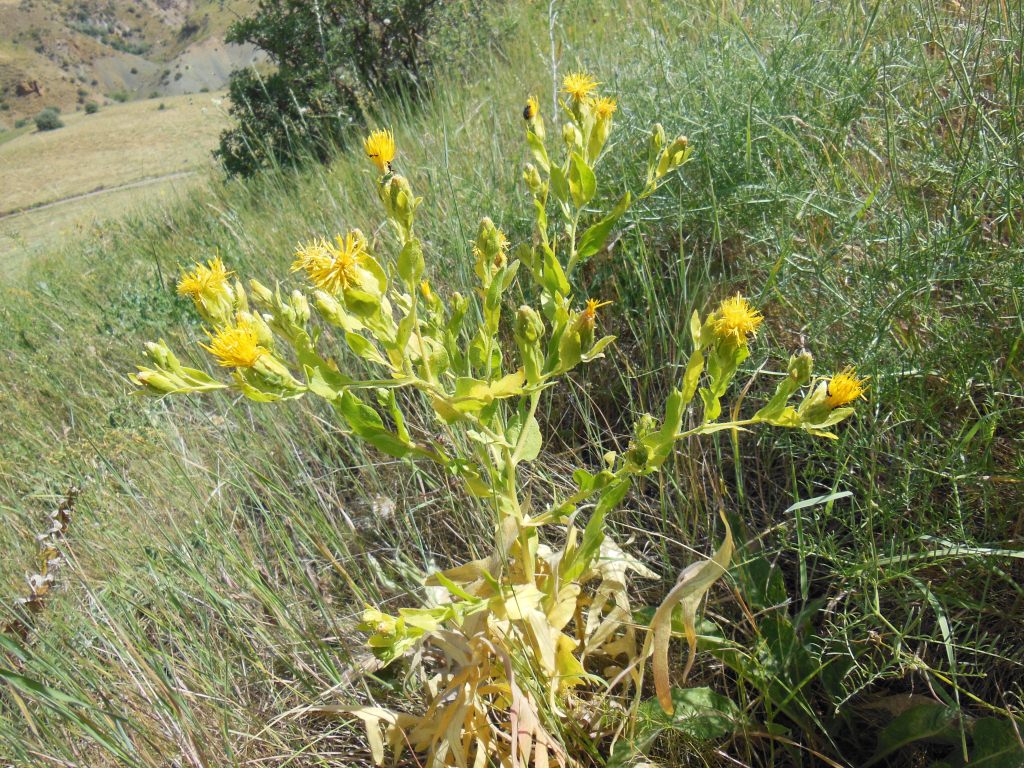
366 423
528 441
698 713
762 583
594 238
996 745
410 262
712 405
537 148
559 185
554 276
925 722
597 350
691 377
582 182
593 534
325 382
364 348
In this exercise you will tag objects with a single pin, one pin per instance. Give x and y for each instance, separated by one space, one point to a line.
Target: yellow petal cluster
588 317
578 85
736 320
845 387
205 280
380 148
531 109
604 107
332 267
235 346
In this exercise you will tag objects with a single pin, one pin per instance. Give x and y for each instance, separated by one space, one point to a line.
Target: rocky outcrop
27 88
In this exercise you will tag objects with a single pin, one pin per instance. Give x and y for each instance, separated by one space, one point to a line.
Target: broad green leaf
698 713
597 350
925 722
594 238
582 182
364 348
539 151
995 744
528 441
366 423
691 377
410 262
554 276
559 185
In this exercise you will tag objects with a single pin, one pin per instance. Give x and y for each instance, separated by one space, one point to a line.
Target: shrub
120 96
536 635
330 59
91 107
21 122
49 120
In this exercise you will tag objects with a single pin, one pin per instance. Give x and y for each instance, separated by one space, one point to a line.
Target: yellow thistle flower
425 289
380 148
236 346
604 107
579 85
588 317
531 109
736 320
332 268
845 387
204 280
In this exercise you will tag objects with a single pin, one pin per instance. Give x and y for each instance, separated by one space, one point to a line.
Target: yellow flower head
531 109
736 320
204 280
235 346
380 148
604 107
332 267
425 289
579 85
845 387
588 317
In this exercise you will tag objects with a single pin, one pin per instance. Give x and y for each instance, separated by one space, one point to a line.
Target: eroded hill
58 53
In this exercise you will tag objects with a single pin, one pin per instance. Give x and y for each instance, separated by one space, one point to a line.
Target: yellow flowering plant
536 634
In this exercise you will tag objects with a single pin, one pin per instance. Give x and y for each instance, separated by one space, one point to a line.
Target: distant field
120 145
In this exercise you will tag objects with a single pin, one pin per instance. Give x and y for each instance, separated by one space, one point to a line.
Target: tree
331 59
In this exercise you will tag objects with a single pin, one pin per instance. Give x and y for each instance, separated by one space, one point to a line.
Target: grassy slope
121 144
859 175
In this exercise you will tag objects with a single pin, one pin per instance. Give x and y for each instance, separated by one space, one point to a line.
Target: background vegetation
858 172
331 61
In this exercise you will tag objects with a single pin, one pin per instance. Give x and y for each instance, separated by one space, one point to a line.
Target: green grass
858 173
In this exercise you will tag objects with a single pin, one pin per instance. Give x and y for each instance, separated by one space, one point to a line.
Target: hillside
98 166
57 53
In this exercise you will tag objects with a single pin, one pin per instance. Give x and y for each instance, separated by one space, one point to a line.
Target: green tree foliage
330 59
49 120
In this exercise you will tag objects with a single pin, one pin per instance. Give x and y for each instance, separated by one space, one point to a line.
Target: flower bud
301 307
399 201
261 294
490 250
156 382
533 180
528 326
571 136
800 366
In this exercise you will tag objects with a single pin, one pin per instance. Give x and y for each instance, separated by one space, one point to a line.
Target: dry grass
119 145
